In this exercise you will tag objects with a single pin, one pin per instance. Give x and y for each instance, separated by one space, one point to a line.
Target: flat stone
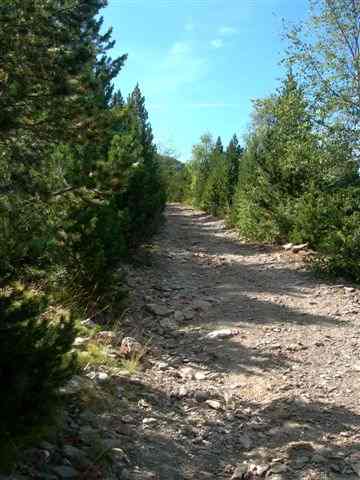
200 375
188 314
201 305
74 385
298 248
149 421
101 377
119 455
127 419
79 341
223 333
183 391
201 396
356 367
317 458
214 404
278 468
77 457
187 373
162 365
179 316
159 310
111 443
64 471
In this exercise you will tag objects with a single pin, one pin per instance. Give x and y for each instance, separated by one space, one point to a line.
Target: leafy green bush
144 201
26 234
34 359
342 250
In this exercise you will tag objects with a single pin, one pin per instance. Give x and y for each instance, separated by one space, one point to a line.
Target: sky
200 63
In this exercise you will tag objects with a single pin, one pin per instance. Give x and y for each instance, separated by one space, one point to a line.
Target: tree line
80 190
296 179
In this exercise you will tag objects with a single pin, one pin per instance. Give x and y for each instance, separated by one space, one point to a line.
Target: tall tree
55 83
233 155
279 164
136 102
201 167
326 52
145 198
218 145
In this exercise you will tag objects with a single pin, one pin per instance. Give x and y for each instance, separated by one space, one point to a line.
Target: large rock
75 385
64 471
80 341
77 457
214 404
179 316
159 310
298 248
201 305
223 333
130 346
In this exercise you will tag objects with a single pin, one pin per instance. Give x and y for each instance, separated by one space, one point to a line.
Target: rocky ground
251 371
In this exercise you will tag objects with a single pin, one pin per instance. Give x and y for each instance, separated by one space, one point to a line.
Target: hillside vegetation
80 190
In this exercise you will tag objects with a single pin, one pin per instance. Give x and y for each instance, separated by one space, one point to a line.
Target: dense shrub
34 359
79 187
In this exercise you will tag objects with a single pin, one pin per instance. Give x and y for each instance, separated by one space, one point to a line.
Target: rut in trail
283 393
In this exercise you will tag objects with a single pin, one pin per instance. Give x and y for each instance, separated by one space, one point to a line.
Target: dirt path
283 394
278 400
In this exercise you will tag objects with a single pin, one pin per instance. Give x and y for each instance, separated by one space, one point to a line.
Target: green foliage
215 194
234 153
280 163
145 200
324 50
331 222
343 250
295 185
175 177
80 185
35 359
295 181
212 175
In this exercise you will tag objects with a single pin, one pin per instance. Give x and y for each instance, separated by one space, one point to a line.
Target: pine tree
145 197
233 156
56 80
280 163
117 100
200 168
34 359
218 145
55 94
136 102
324 51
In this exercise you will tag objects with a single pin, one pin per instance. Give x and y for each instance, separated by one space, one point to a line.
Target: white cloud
180 66
217 43
228 31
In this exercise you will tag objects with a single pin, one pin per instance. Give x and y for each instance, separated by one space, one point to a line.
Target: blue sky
200 62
